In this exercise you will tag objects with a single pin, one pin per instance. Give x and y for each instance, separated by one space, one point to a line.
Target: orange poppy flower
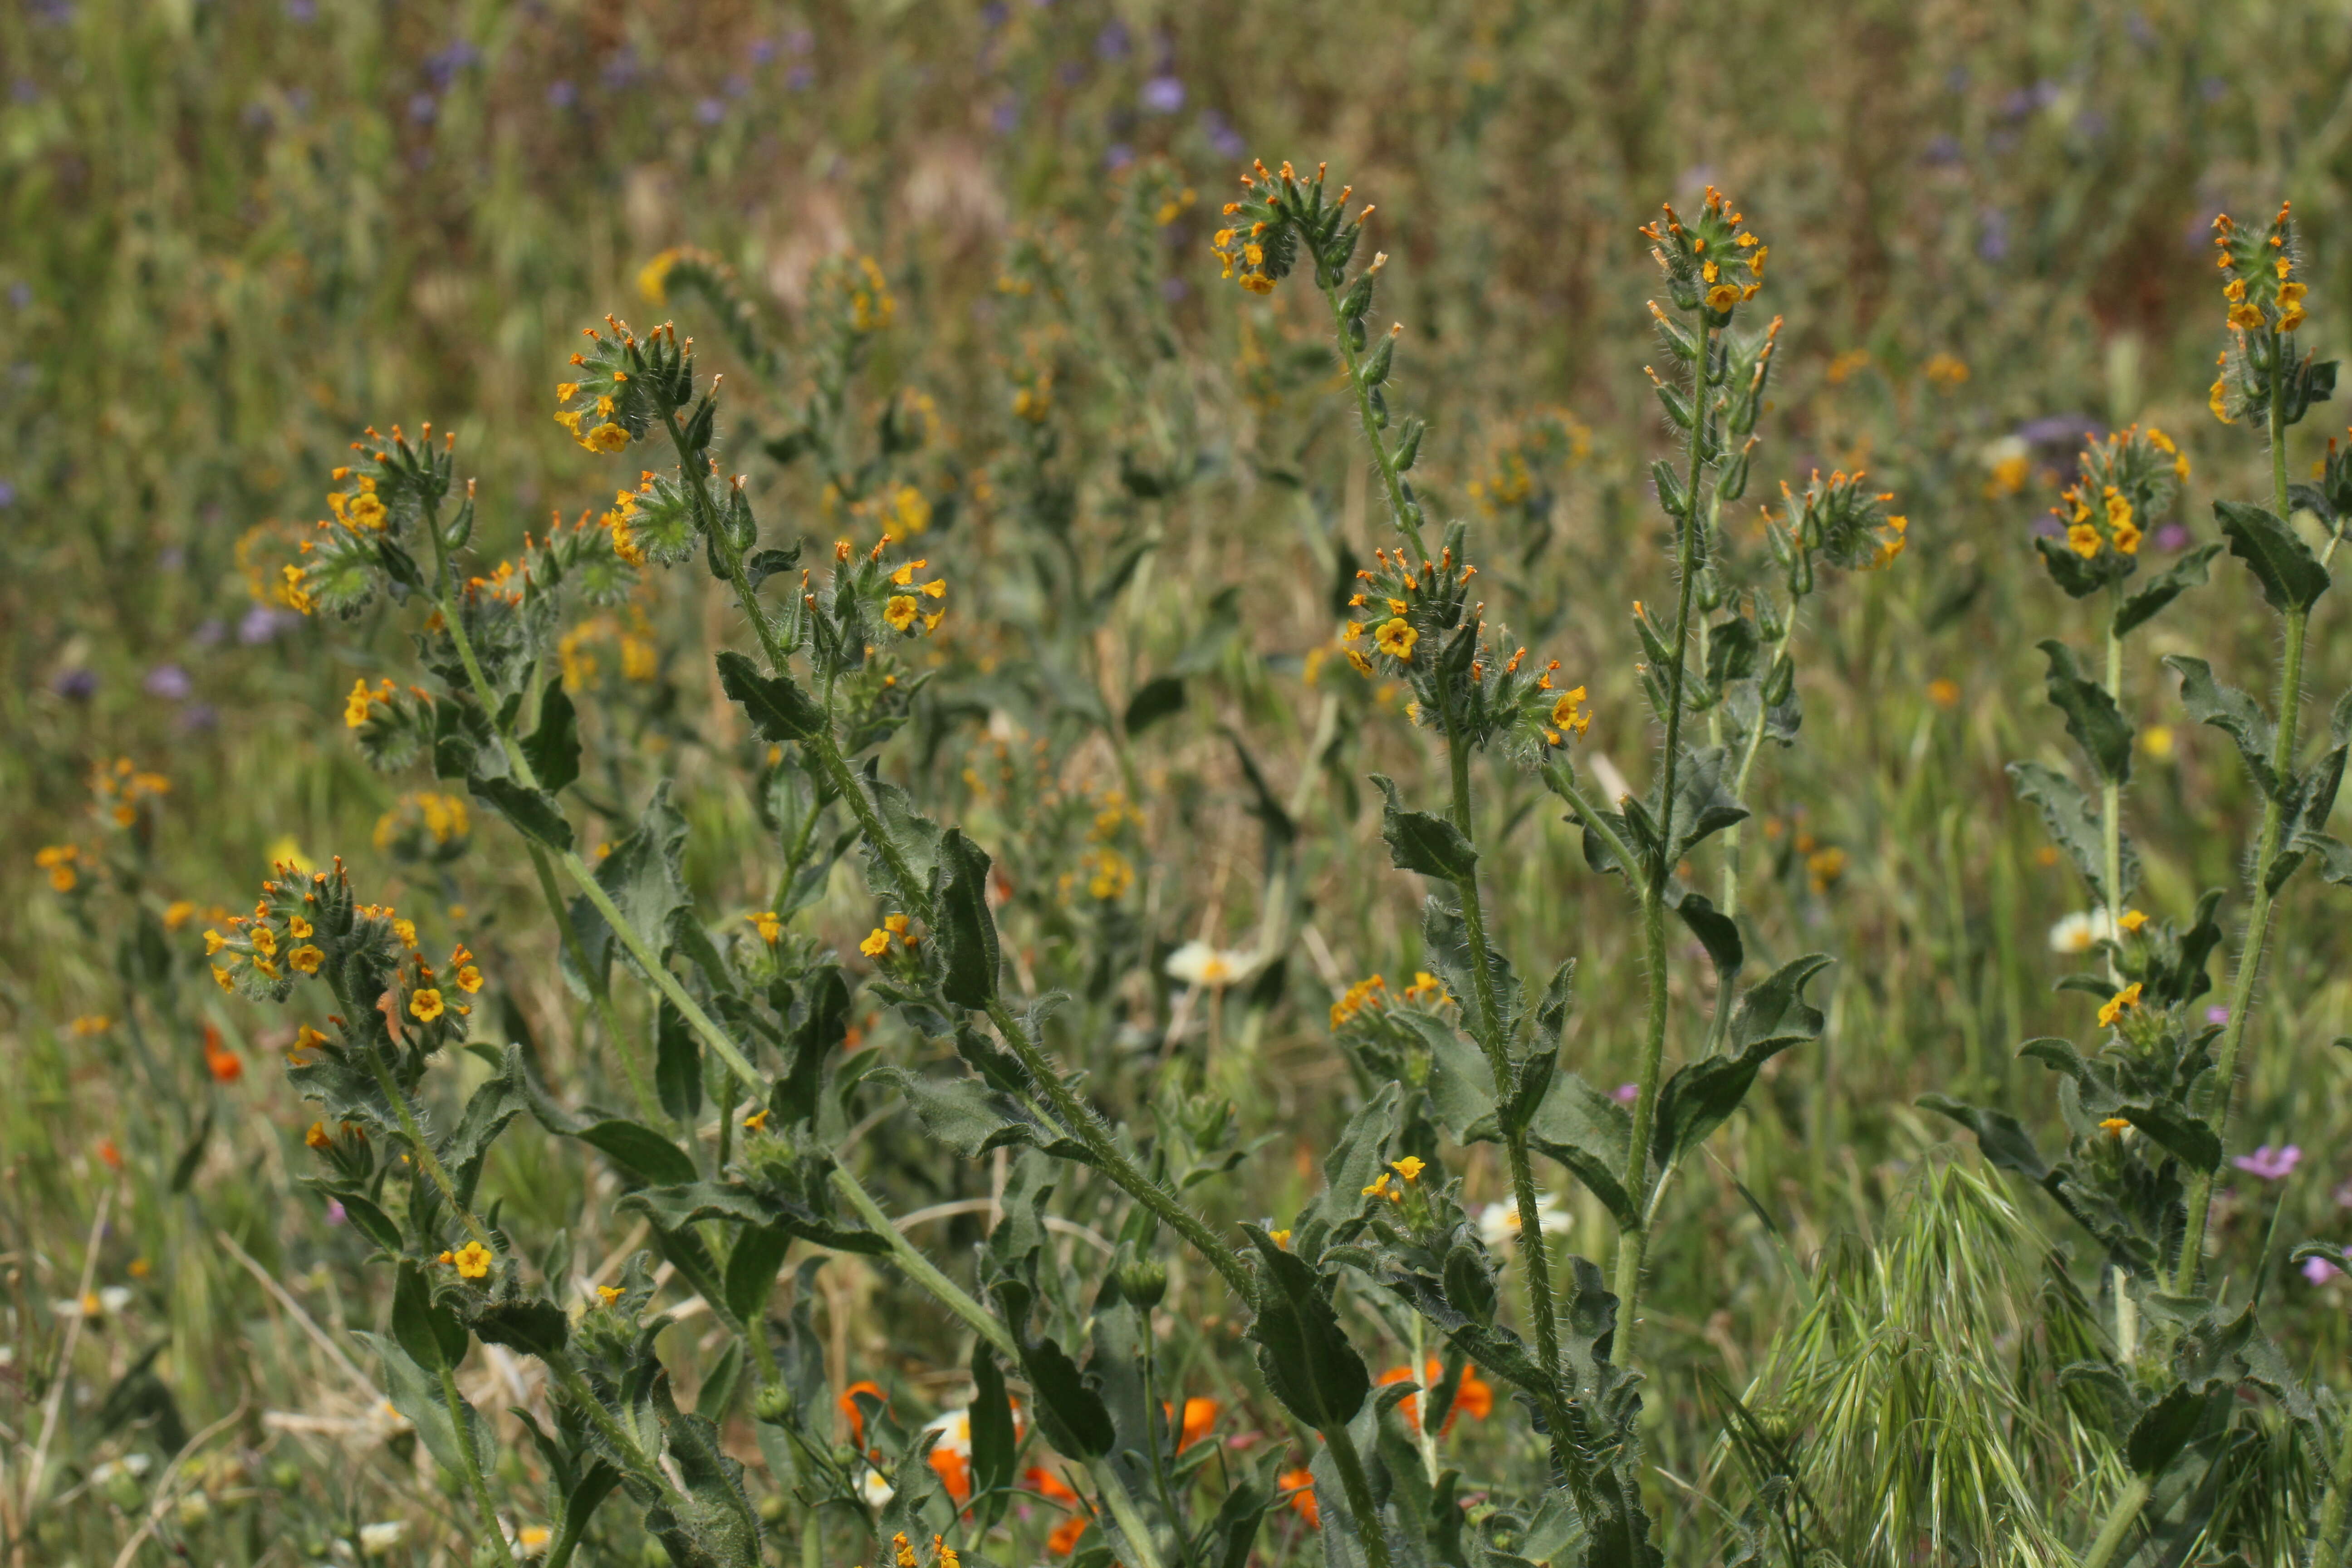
848 1406
1064 1539
1473 1395
955 1472
1200 1418
1300 1484
1045 1483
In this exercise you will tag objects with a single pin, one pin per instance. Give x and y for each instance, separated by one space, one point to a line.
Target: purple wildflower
7 490
2171 536
1163 95
170 682
2271 1164
1627 1093
2318 1271
1992 234
334 1211
562 93
77 685
1223 138
1112 43
1118 156
2217 1013
710 110
422 107
800 79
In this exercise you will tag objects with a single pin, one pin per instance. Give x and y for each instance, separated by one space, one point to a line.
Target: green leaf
2187 1136
705 1520
1420 842
2003 1137
2291 575
1587 1130
1303 1353
1717 932
641 1149
678 1064
532 813
1161 696
534 1328
1070 1413
1702 1095
823 1014
1702 805
2074 825
2079 578
642 878
2232 712
415 1393
995 1444
779 709
553 749
1774 1014
184 1169
965 931
2188 571
432 1334
2092 717
752 1268
2057 1054
972 1119
2163 1429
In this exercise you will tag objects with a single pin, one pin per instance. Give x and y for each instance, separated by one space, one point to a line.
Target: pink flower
2318 1271
1627 1093
2271 1164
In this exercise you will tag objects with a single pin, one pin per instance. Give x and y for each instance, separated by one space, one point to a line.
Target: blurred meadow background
237 232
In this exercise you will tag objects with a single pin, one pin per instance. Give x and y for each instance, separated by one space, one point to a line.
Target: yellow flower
877 943
607 437
264 942
2131 920
608 1294
317 1138
355 706
92 1024
2083 540
2128 539
2157 741
2218 400
936 589
2114 1126
298 927
1565 714
1410 1167
214 942
406 932
1722 297
897 925
2117 1004
425 1005
900 612
770 927
307 1038
1395 638
306 958
220 977
469 979
473 1261
177 913
756 1122
1281 1238
1355 658
1380 1187
364 510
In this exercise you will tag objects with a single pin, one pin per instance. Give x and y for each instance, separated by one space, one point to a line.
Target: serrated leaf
534 1328
2291 575
1303 1352
2143 606
643 878
965 929
2234 713
779 709
1422 843
2074 825
532 813
972 1119
2163 1429
1587 1130
2093 719
553 748
2003 1137
2191 1137
706 1521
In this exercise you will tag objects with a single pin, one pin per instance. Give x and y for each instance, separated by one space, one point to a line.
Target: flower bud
1142 1280
772 1405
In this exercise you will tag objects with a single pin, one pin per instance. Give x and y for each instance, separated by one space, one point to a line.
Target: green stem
623 1441
1121 1507
2120 1519
1533 1256
600 989
1391 478
1091 1129
422 1150
923 1271
1633 1244
2328 1548
469 1461
2111 799
1350 1466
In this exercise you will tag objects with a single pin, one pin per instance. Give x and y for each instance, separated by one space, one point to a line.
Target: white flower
1198 963
2079 933
955 1432
375 1539
114 1297
1499 1223
877 1490
532 1540
193 1510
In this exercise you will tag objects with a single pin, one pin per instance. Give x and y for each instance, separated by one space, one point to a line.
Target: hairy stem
2111 799
600 990
2266 847
1121 1507
1350 1466
1392 480
923 1271
2120 1521
478 1488
2327 1547
1633 1243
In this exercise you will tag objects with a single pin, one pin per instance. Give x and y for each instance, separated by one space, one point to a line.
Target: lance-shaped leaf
532 813
1587 1130
2235 714
2003 1137
2143 606
678 1064
2191 1137
995 1443
2163 1429
779 709
537 1328
1702 1095
753 1264
553 749
675 1209
1720 934
2074 826
1070 1413
965 931
432 1335
705 1520
972 1119
1303 1353
2291 575
2097 725
641 875
415 1393
1420 842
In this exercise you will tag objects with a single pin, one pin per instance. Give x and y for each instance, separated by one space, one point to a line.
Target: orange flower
109 1154
1474 1396
1064 1539
1300 1484
955 1471
1200 1415
1045 1483
848 1405
225 1064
